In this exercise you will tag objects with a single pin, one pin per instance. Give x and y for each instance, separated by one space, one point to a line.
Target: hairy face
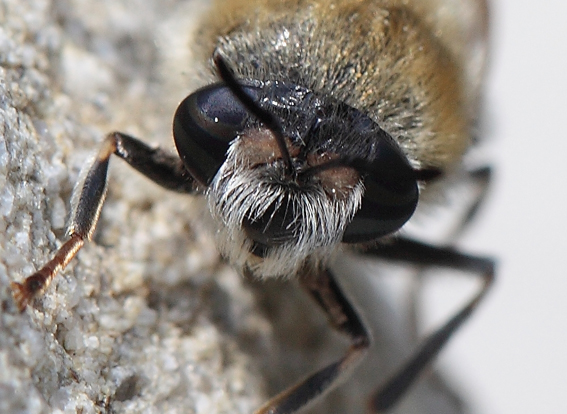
271 225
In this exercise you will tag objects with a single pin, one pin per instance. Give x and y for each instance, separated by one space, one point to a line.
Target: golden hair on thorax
394 60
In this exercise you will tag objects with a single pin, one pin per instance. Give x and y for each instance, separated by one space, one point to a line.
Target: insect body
325 124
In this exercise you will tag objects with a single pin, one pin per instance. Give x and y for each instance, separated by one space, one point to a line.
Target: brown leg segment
36 284
342 316
88 198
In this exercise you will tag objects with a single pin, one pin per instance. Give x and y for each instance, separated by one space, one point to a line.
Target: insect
324 124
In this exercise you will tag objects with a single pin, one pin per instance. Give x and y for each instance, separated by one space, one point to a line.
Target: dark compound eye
204 125
390 196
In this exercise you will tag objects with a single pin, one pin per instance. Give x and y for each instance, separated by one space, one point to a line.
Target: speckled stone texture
147 318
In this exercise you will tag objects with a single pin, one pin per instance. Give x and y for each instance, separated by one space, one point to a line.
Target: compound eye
204 125
390 197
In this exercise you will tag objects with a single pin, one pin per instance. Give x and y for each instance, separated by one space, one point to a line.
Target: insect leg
161 167
342 316
481 176
88 198
410 251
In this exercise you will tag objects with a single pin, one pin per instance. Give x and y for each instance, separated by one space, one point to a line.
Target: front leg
342 317
88 198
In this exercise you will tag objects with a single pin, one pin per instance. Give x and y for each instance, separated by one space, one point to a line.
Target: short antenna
265 117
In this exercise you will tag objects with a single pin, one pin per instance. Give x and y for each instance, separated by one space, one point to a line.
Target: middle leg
322 287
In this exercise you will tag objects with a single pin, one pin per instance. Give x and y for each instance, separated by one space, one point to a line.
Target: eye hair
237 193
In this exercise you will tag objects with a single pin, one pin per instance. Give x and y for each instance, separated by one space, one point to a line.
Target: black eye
204 125
390 196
